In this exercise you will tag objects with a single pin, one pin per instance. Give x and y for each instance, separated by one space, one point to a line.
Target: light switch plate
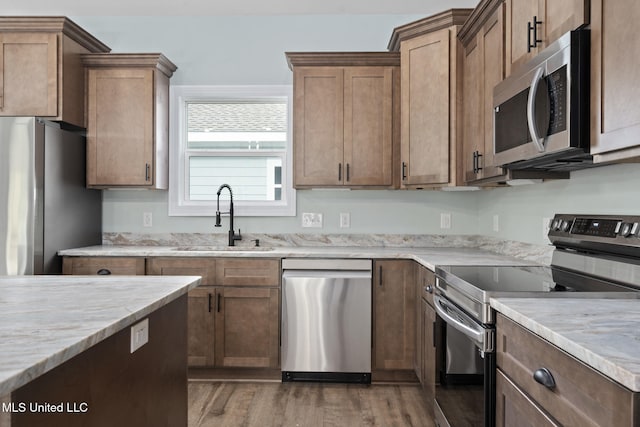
147 219
345 220
139 334
445 220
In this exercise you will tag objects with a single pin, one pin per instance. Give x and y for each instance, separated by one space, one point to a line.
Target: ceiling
229 7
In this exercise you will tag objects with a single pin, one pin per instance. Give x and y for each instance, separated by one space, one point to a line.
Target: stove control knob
627 229
564 225
555 224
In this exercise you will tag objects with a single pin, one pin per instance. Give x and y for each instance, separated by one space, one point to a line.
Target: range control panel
611 229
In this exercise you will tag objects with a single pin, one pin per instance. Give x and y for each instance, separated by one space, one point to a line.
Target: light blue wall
602 190
250 50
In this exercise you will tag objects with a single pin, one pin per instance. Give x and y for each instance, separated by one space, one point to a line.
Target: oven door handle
461 321
531 110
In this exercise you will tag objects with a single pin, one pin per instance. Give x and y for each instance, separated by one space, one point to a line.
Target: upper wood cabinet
615 110
127 120
431 84
531 25
484 67
345 118
41 73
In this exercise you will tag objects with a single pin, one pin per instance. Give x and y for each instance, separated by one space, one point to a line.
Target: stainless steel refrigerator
44 203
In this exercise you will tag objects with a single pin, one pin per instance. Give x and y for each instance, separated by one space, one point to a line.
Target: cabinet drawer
108 265
172 266
514 408
247 272
582 396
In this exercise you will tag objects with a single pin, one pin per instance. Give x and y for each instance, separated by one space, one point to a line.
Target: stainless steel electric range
595 256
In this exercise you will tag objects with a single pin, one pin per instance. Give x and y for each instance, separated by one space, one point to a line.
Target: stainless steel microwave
541 111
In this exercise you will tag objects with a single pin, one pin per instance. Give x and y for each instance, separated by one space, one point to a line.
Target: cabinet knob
543 376
428 289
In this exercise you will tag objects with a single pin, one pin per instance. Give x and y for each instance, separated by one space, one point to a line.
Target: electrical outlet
496 223
313 220
546 222
147 219
139 334
445 220
345 220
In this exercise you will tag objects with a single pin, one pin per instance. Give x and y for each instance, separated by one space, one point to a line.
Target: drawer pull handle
544 377
104 272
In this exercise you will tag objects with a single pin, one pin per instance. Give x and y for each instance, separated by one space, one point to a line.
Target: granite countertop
427 256
47 320
602 333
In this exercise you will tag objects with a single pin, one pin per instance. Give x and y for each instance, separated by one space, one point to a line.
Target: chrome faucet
232 234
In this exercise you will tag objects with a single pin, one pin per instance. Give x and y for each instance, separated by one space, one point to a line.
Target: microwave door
539 110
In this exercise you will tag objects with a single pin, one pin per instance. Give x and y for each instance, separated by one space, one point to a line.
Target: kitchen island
66 351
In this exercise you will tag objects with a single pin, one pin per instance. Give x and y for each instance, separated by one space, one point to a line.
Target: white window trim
178 180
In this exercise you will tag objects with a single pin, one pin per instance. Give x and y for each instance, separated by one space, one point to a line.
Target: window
236 135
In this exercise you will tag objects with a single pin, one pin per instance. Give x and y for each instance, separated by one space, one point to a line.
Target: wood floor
264 404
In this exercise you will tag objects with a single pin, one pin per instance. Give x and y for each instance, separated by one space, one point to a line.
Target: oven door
465 393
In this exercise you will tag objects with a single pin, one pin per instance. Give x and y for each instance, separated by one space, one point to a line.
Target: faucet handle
238 236
257 242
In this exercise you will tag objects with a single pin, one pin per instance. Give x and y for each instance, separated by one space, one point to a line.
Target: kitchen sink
222 248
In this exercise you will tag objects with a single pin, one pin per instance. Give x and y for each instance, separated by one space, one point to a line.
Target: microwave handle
539 142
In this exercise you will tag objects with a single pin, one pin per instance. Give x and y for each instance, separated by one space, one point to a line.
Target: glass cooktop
507 279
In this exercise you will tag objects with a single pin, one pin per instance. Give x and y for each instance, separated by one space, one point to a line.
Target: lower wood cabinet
394 307
103 265
581 396
425 354
514 408
233 317
247 327
201 343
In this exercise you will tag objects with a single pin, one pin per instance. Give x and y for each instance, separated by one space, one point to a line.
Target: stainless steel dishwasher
326 320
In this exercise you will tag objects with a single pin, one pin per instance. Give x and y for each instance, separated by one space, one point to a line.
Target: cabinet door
560 17
29 74
247 327
514 408
120 136
429 372
418 354
201 327
615 49
473 140
493 72
201 316
425 109
554 19
368 120
519 15
318 126
394 299
174 266
103 265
